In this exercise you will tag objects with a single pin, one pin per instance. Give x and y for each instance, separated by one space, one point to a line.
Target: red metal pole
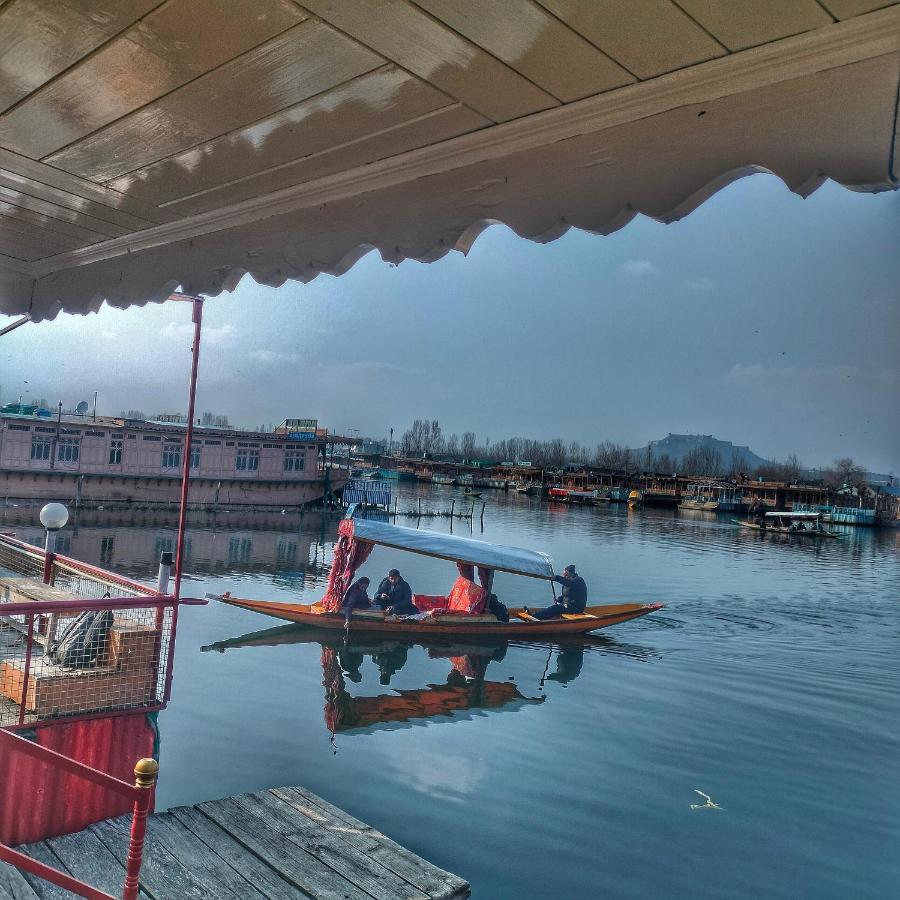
197 318
145 773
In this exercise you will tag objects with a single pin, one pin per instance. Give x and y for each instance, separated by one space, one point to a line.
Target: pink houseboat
107 462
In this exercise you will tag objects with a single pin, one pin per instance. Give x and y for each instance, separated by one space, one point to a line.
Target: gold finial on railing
145 772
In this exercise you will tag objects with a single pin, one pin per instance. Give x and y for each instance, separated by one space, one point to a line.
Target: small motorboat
795 524
461 612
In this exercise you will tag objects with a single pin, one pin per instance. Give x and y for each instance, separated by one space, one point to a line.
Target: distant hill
678 446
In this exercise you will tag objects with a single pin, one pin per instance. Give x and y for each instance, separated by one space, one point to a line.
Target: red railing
141 793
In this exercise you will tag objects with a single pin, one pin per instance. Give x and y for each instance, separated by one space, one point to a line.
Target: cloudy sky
761 318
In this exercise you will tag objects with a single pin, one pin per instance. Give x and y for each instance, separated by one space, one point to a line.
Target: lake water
770 682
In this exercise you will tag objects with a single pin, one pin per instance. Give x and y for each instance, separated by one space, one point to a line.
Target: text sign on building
301 435
301 424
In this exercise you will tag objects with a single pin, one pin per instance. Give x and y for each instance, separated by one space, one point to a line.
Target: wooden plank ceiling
126 125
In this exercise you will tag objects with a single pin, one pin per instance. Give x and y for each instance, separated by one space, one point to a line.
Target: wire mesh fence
88 642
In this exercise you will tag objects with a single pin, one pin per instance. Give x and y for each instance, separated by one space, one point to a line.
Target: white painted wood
646 37
534 43
309 58
38 40
754 22
169 47
374 102
406 35
846 9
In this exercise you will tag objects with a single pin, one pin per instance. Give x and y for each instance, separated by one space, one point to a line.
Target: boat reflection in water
465 693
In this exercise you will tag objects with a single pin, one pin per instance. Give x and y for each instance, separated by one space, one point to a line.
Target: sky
760 318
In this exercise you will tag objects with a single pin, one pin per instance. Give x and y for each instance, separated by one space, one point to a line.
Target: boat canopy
794 515
127 169
459 549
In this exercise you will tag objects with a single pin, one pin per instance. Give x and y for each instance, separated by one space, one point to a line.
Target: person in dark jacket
395 596
573 599
356 598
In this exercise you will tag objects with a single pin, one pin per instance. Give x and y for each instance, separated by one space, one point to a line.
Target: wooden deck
281 843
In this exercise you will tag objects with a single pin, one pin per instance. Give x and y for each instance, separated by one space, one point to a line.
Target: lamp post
53 517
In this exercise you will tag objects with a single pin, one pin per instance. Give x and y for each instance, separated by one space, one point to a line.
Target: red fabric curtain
349 555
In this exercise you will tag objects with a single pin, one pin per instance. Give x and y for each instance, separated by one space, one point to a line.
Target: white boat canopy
794 515
452 547
146 146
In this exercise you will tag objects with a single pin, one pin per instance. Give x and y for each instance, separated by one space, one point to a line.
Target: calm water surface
770 682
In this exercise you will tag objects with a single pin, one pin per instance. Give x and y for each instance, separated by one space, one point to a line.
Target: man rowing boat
573 599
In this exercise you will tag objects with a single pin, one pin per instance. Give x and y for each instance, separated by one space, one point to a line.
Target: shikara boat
461 611
796 524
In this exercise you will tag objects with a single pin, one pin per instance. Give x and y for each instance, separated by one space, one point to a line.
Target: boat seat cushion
427 602
465 598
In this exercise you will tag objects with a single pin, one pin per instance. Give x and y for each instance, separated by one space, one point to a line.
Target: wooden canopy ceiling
146 145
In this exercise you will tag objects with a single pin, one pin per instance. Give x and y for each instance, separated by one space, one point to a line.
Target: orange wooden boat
461 612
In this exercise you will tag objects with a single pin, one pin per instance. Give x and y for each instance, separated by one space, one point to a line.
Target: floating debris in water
709 802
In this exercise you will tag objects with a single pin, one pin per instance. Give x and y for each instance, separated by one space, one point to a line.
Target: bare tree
468 445
844 473
612 456
702 461
453 447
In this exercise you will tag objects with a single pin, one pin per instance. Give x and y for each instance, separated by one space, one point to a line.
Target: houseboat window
246 460
171 457
212 443
40 448
286 551
151 437
167 545
19 427
239 550
115 452
68 450
195 458
294 460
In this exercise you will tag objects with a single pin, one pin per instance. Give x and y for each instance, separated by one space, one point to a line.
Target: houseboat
712 496
438 478
107 461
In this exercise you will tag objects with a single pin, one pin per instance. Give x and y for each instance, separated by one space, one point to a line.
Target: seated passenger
356 598
395 596
573 599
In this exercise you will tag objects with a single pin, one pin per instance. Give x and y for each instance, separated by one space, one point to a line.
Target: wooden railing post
145 772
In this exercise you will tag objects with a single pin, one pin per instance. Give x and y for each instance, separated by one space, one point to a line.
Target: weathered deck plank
13 885
289 860
82 856
282 844
433 881
367 874
220 842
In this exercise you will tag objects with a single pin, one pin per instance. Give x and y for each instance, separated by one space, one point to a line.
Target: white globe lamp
54 516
